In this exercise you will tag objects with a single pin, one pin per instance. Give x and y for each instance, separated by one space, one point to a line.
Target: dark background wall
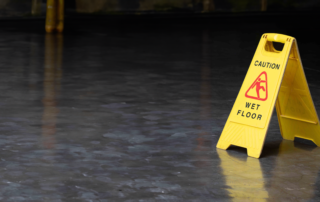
14 8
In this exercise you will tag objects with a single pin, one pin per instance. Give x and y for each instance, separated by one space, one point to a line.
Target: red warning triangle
259 88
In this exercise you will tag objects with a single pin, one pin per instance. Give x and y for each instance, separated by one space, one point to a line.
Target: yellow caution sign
55 16
274 78
51 16
60 16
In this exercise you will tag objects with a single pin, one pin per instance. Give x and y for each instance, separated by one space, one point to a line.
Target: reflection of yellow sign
244 178
272 74
248 179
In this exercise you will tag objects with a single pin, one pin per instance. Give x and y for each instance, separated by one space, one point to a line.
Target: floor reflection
34 62
294 173
243 176
203 140
51 85
205 91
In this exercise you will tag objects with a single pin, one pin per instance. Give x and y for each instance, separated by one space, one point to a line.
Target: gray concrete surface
134 114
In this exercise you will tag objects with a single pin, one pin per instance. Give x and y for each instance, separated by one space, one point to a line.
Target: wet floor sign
275 78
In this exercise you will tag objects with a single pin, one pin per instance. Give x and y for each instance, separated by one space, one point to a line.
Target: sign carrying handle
277 38
267 48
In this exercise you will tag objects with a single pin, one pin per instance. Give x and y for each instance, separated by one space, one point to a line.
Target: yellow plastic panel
295 109
51 16
55 16
250 116
60 16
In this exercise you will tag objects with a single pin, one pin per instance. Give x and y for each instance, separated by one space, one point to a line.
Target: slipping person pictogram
258 88
257 85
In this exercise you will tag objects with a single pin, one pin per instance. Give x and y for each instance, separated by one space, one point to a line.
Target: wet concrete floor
134 114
